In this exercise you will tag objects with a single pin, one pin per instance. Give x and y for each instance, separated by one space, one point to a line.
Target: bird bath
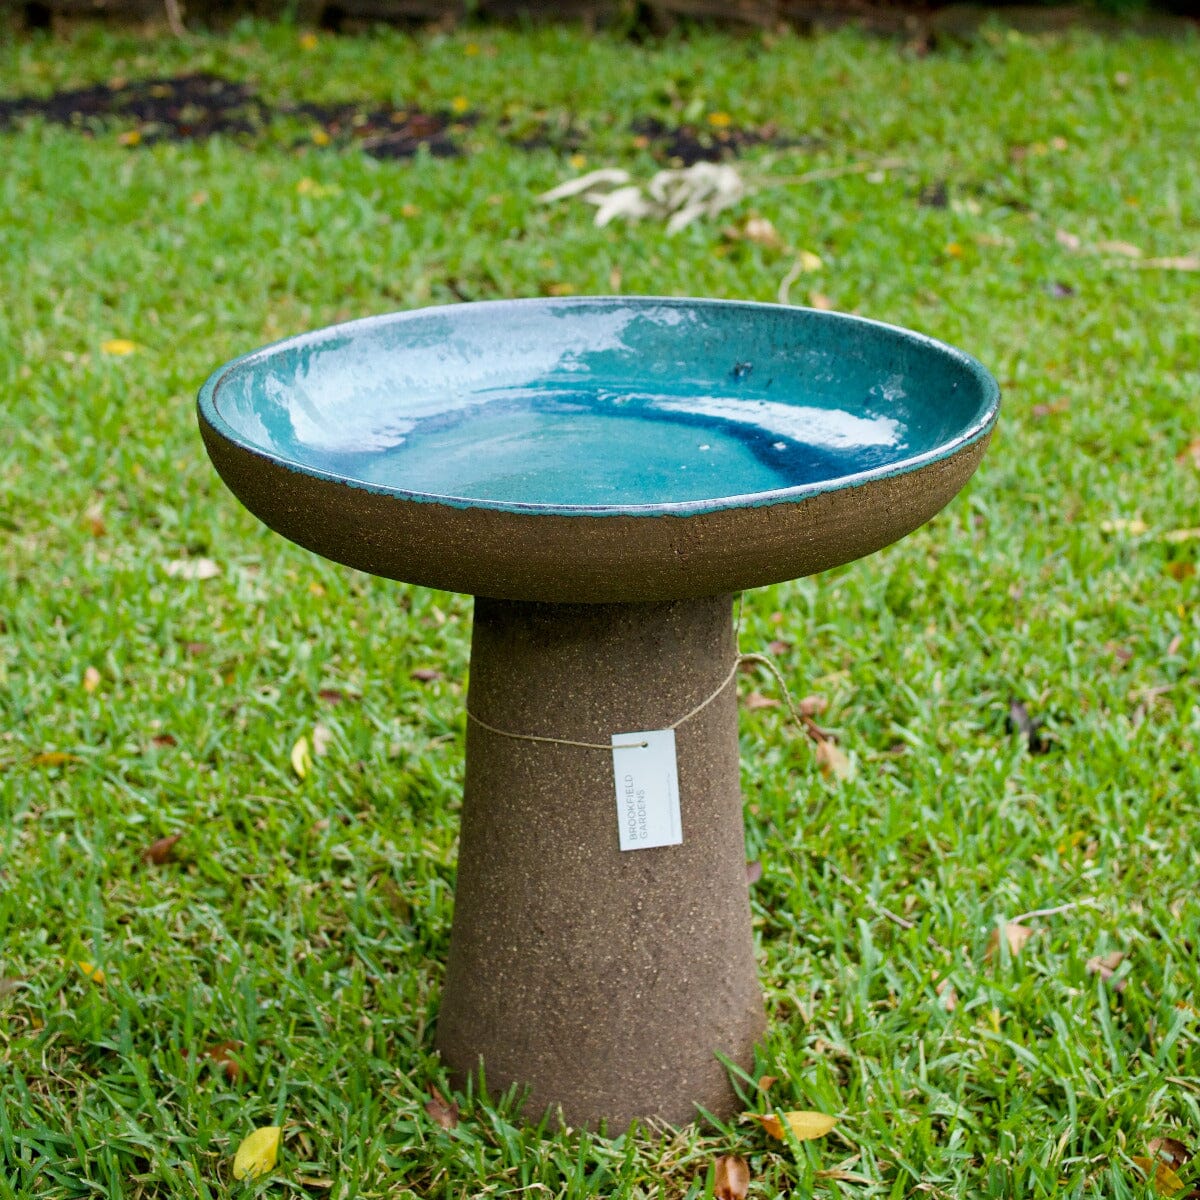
602 474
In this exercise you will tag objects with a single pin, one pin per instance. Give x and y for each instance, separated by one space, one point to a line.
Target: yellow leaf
52 758
720 120
804 1125
301 758
90 972
118 347
1134 526
808 1125
258 1152
1163 1179
809 261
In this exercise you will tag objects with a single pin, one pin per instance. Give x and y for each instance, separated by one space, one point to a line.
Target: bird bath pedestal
602 474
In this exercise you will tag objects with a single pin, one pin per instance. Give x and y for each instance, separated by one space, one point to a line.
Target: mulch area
201 105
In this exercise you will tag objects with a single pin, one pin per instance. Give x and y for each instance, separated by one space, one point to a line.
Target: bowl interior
604 404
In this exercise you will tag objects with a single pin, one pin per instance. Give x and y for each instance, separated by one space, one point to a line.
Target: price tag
647 782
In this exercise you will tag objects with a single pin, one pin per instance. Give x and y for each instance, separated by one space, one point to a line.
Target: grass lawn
1043 205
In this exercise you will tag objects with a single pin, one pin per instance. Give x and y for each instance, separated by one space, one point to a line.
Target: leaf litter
731 1177
258 1153
804 1125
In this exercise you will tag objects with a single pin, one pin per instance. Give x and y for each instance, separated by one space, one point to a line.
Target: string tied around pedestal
738 660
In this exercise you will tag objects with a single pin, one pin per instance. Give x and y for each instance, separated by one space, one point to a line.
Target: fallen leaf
760 231
425 674
88 971
766 1082
731 1177
757 700
322 739
833 761
441 1111
1015 935
1041 411
195 649
1169 1150
820 301
165 739
753 871
160 852
9 984
1069 240
301 758
948 995
813 706
1105 964
258 1153
779 647
1134 526
192 568
720 120
93 520
222 1057
1119 652
804 1125
91 679
331 695
1164 1181
52 758
1179 571
118 347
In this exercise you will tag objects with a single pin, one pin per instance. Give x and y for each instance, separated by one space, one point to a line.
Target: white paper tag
647 789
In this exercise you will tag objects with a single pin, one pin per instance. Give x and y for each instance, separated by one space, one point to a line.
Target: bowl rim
980 427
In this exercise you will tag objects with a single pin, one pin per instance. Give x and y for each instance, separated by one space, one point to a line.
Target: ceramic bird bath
602 474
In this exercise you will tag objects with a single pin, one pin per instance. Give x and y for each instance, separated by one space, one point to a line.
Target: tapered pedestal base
606 982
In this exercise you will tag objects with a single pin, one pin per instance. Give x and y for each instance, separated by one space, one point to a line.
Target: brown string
733 670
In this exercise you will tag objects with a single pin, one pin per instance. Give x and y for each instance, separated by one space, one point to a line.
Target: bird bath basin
602 474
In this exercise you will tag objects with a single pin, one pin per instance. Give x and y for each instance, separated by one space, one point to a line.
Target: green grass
308 919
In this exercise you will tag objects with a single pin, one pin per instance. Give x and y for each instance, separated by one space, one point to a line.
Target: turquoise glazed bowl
599 449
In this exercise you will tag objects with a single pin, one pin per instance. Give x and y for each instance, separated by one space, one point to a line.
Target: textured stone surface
605 981
589 559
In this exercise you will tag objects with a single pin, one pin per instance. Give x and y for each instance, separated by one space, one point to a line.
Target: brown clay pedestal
604 981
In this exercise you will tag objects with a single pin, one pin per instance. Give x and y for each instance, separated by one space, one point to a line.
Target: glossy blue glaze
604 405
